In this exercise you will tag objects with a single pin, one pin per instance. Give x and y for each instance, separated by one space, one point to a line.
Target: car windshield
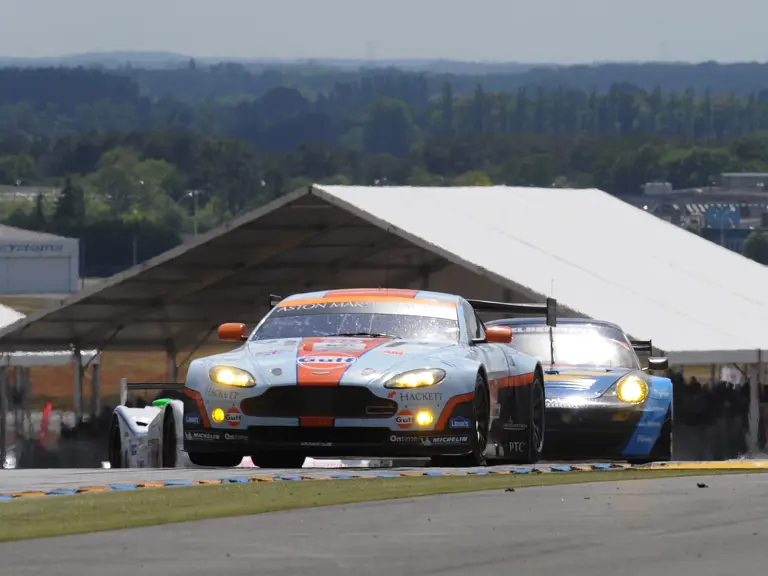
576 345
412 322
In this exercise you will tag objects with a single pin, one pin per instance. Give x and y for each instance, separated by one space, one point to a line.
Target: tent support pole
3 415
754 405
173 368
95 389
77 360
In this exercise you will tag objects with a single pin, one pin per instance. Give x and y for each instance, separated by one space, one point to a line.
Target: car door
493 356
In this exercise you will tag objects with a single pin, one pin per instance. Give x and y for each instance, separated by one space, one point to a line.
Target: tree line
386 111
138 171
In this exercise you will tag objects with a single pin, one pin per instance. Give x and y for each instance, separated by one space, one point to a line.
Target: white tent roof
8 316
608 260
38 358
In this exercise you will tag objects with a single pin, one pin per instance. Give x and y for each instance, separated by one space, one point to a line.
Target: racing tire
115 449
481 417
215 459
170 442
278 460
536 423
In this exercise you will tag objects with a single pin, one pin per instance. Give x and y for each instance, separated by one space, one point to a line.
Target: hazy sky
526 31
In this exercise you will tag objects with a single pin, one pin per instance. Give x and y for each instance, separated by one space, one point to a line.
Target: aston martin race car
600 402
350 373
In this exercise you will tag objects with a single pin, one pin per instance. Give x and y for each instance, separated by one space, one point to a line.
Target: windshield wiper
369 334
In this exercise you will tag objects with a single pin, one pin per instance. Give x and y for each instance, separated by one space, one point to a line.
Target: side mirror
498 334
658 364
232 332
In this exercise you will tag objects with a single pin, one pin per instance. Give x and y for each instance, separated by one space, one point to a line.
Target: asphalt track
629 528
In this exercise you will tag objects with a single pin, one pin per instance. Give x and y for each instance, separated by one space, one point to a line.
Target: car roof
375 293
543 321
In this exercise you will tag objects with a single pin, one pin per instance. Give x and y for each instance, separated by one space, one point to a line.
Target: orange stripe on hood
383 292
323 361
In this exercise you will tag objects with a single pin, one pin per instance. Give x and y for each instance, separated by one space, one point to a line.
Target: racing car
349 373
600 402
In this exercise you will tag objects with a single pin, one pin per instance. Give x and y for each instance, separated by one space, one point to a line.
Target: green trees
148 154
756 246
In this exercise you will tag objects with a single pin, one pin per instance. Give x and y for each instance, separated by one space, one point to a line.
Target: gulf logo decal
233 417
326 360
314 368
404 419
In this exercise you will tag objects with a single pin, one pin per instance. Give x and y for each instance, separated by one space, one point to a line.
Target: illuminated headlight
424 418
416 378
632 389
231 376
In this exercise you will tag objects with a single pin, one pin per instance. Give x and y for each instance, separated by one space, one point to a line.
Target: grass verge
58 516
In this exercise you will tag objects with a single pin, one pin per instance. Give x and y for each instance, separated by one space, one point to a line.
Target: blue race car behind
600 402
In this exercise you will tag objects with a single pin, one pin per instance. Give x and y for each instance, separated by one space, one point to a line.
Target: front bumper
603 428
590 432
343 421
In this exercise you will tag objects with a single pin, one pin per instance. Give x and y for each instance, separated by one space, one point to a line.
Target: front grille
291 435
319 401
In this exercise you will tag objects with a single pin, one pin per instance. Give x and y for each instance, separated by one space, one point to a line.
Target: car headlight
231 376
632 389
416 378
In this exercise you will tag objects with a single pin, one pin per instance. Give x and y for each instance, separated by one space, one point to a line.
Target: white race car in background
153 436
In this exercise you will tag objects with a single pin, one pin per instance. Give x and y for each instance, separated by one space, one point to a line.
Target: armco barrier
545 469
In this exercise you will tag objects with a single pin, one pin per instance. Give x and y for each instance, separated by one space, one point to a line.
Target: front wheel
481 416
115 444
170 442
536 427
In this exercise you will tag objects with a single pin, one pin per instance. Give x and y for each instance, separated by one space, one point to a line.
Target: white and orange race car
377 373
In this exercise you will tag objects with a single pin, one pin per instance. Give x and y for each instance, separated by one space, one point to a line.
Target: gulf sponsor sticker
404 419
233 417
325 360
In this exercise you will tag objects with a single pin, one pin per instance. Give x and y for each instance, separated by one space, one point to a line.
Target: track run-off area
690 526
23 483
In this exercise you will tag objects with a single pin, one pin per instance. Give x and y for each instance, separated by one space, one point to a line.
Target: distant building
744 181
27 193
37 263
657 188
725 214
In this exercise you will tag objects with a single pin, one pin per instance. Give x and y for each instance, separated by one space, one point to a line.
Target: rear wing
549 309
642 346
126 386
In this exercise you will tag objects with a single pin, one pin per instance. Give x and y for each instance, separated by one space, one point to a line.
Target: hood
327 361
581 381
